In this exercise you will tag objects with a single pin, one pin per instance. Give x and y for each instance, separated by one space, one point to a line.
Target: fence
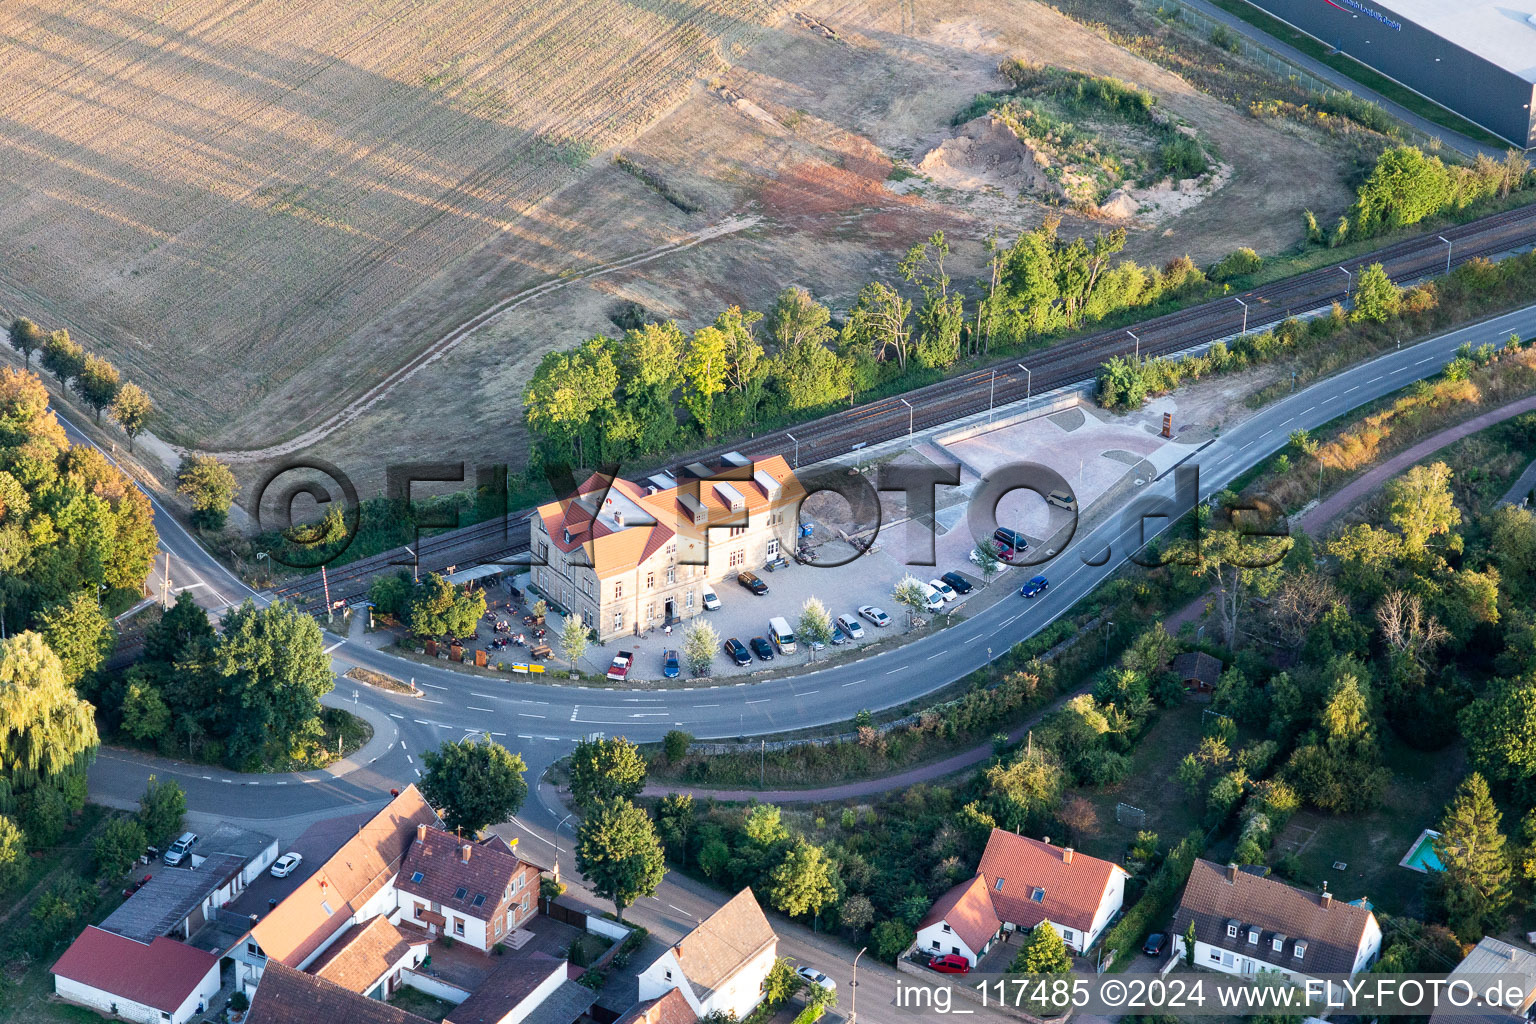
1198 22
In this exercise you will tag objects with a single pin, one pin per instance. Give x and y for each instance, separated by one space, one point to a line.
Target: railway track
1006 381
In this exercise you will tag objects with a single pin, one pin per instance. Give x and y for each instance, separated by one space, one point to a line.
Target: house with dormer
1019 883
1247 923
721 965
475 893
628 555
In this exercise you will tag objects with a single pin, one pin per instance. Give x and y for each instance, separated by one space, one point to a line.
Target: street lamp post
853 1010
1240 302
1138 344
1029 381
992 396
1350 278
558 827
1448 247
793 438
1107 627
908 404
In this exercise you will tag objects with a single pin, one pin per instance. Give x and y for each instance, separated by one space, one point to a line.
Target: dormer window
1232 927
1037 894
479 900
1279 943
999 886
1253 935
327 908
1301 948
567 534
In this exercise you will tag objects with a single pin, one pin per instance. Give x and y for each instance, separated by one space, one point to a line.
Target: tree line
95 380
612 398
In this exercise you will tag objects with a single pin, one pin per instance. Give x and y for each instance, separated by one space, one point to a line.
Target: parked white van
783 637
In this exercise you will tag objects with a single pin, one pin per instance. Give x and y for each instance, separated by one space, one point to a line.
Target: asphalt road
543 720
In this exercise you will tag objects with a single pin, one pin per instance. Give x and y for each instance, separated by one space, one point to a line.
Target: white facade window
650 581
688 601
671 575
1067 935
618 589
773 548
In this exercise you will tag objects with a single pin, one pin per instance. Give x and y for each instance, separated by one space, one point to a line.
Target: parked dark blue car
671 665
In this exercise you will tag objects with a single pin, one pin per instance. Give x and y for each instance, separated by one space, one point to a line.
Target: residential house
160 981
1019 883
1494 966
671 1008
353 885
287 996
371 959
1246 923
721 964
628 556
534 988
478 894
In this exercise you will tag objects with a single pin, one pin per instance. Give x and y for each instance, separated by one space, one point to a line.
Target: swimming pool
1421 855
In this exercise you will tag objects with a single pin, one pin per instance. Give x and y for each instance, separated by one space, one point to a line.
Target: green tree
1191 775
746 374
574 637
1123 383
131 409
1026 789
1500 727
1477 869
62 357
617 849
161 810
890 939
570 399
815 622
46 730
879 322
1189 944
781 981
1043 952
475 783
605 770
700 642
910 594
674 822
764 825
275 671
13 854
391 594
210 488
58 913
1403 188
1420 504
26 338
78 632
675 745
437 607
1377 298
145 715
804 882
856 911
118 847
98 383
705 371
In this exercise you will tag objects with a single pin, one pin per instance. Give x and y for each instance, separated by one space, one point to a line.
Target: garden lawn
421 1004
1151 786
1373 843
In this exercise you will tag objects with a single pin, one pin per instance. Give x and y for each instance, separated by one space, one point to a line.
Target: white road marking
435 686
1373 380
1355 388
807 693
409 759
428 700
471 707
895 670
422 721
524 714
331 648
393 715
492 696
939 655
706 705
1421 362
763 700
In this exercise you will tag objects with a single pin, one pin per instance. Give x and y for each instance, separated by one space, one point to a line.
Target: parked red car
950 963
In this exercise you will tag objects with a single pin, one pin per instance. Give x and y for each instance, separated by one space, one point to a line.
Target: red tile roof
286 996
967 909
161 974
1070 890
671 1008
514 980
324 902
439 860
365 954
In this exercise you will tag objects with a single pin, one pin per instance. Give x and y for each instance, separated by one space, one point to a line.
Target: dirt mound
984 153
1119 204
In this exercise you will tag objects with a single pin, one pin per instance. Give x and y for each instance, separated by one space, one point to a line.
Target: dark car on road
752 583
1036 585
762 648
1156 943
671 665
950 963
959 584
737 652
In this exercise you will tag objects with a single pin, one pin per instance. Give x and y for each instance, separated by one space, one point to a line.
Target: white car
814 977
1001 563
284 865
935 599
945 591
852 628
874 615
711 600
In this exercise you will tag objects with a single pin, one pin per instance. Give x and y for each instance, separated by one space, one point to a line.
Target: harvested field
285 210
259 208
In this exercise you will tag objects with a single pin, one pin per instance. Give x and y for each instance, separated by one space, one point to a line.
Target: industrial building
1476 57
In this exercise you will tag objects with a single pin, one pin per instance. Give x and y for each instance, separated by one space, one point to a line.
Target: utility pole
853 1010
1240 302
1350 278
165 584
1447 242
1029 381
910 411
797 447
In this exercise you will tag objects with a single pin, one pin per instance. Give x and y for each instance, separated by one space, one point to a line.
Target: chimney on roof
464 853
1066 855
1231 874
421 833
1046 840
618 518
1327 897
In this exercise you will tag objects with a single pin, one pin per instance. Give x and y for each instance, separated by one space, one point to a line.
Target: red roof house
134 980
